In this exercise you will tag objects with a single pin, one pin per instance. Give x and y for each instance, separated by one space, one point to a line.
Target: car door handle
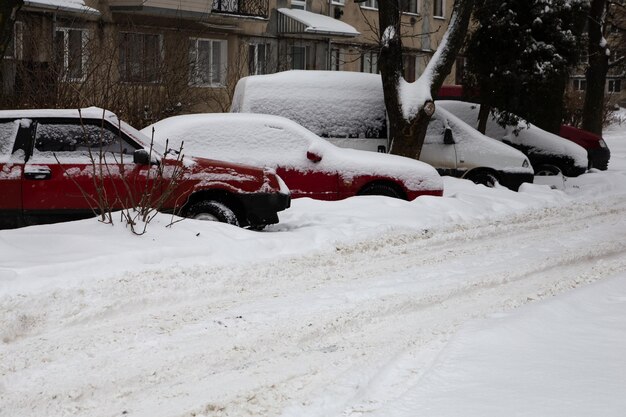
37 173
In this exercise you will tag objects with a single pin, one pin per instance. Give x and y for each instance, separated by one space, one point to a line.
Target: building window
615 86
207 62
409 6
298 4
298 57
372 4
339 2
579 84
438 8
336 59
257 58
140 57
14 48
70 53
369 62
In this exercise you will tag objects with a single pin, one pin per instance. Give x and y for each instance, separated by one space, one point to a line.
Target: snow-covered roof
302 21
73 6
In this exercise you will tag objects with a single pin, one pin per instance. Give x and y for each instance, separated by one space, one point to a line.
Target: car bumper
599 158
514 180
262 208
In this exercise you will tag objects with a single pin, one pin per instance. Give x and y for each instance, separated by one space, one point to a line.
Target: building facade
147 59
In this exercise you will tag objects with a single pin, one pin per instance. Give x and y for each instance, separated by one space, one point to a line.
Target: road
334 333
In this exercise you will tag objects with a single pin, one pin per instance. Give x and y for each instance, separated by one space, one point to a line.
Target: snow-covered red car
311 166
55 165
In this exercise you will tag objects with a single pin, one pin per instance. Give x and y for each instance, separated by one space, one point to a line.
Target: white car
309 165
549 154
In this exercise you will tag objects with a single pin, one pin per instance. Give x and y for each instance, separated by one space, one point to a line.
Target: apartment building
150 58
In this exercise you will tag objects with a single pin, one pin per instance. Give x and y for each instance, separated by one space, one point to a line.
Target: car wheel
546 170
485 178
212 210
380 189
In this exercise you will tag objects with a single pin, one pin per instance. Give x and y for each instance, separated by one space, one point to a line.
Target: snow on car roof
329 103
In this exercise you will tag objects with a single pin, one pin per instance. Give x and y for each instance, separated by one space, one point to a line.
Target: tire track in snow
260 339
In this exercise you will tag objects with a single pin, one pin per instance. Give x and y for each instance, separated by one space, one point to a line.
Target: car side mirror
448 137
141 157
313 156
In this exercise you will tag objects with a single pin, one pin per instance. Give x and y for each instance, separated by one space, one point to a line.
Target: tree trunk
407 133
8 10
483 117
596 71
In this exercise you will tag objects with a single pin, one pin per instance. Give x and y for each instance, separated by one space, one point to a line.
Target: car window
8 132
76 141
435 131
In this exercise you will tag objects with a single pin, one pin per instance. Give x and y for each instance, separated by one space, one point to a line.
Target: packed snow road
341 332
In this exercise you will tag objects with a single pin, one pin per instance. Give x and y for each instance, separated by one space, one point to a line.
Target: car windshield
142 139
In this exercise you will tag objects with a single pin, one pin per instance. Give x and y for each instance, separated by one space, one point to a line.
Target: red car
50 171
597 151
311 166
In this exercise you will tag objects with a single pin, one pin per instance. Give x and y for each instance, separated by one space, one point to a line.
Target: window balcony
257 8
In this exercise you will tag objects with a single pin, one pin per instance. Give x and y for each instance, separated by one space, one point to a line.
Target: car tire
380 189
485 178
212 210
547 170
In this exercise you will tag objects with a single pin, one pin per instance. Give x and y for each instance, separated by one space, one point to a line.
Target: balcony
256 8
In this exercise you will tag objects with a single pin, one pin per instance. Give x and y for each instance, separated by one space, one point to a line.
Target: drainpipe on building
328 60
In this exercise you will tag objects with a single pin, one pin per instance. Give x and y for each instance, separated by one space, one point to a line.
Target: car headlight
525 164
602 143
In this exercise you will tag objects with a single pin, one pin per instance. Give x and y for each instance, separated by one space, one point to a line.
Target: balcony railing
259 8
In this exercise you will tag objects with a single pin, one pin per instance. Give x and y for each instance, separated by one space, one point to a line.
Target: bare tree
410 105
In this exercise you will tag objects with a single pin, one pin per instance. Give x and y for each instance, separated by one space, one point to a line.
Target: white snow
319 23
485 302
63 5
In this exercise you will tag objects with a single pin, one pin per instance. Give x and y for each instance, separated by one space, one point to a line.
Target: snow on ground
462 305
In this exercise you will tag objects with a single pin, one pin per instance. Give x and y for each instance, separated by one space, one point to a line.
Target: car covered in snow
348 109
311 166
57 165
549 154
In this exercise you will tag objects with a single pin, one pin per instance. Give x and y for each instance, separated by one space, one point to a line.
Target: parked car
348 109
598 152
549 154
51 170
311 166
